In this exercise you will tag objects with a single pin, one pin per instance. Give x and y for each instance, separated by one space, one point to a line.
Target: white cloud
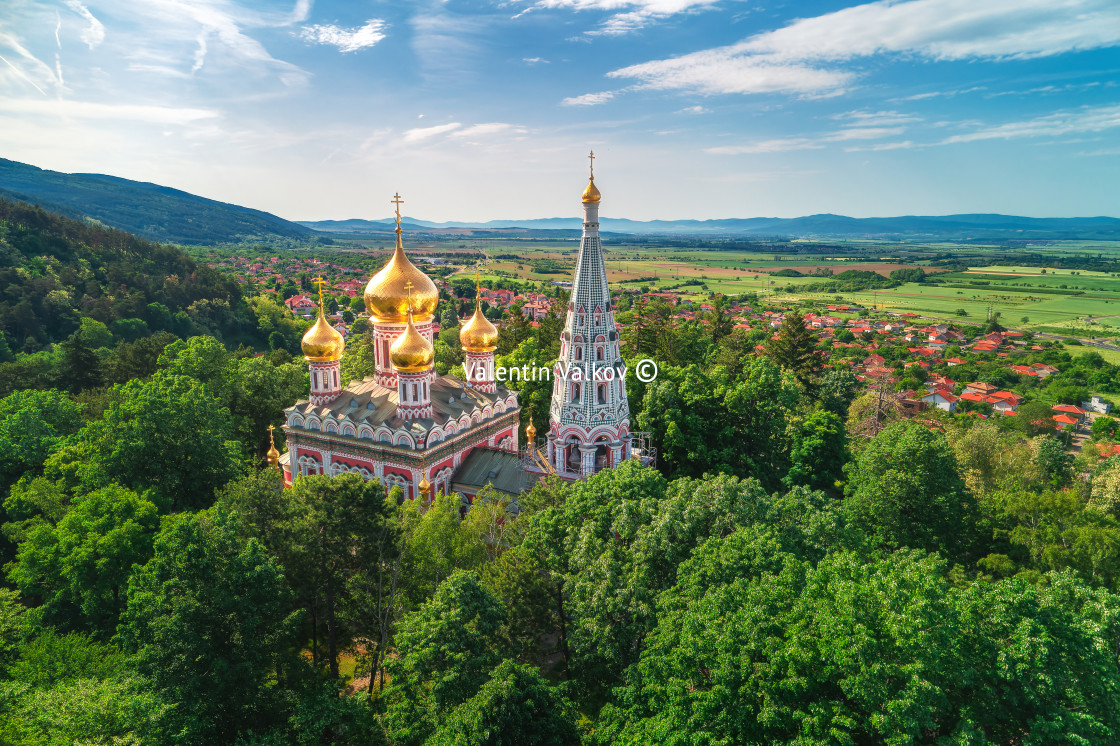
946 30
903 145
1087 119
534 60
807 143
589 99
347 40
419 134
693 110
792 59
100 111
628 15
722 71
768 146
94 33
865 118
488 129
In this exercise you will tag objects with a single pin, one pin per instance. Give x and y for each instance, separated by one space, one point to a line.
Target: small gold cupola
273 455
478 334
411 352
322 343
591 193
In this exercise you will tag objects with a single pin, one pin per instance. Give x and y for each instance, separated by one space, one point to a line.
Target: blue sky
476 110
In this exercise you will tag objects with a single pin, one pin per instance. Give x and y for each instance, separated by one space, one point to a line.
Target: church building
405 425
433 434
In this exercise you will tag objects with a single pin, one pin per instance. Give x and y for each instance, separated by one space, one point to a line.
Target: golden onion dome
387 296
478 334
424 485
322 343
273 455
591 193
530 431
410 352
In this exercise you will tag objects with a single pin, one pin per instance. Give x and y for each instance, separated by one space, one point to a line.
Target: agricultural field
1043 299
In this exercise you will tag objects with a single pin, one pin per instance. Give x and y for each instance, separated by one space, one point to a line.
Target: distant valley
170 215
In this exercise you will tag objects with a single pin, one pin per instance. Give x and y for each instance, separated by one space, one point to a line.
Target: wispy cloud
693 110
801 57
807 143
626 16
866 118
534 60
720 71
1086 119
590 99
487 129
903 145
346 39
94 33
939 94
106 111
419 134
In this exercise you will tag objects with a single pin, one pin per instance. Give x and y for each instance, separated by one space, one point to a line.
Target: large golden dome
478 334
387 292
322 343
591 193
410 352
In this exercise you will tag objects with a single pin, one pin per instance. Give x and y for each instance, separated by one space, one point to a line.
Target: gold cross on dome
398 202
591 158
408 289
320 282
477 283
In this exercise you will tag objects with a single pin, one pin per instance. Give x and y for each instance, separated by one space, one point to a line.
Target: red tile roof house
1003 406
955 361
1063 420
973 396
942 399
1070 410
300 303
979 387
1042 370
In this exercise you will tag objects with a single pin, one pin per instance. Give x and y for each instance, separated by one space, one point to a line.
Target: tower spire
589 419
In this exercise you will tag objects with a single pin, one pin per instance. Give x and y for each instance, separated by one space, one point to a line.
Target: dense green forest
806 565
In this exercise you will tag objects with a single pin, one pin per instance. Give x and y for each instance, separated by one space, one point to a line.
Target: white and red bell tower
589 420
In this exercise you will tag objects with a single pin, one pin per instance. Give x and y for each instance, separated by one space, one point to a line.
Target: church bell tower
589 419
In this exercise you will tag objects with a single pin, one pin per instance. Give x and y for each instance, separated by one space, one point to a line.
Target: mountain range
165 214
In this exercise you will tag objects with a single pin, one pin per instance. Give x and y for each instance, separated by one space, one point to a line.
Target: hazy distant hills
163 214
154 212
957 227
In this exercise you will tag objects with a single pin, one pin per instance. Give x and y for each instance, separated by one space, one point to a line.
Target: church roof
490 466
367 402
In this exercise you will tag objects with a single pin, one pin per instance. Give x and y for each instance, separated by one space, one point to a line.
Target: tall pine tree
795 349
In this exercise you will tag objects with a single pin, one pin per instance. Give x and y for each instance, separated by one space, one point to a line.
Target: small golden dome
322 343
273 455
410 352
530 431
591 193
478 334
424 485
387 295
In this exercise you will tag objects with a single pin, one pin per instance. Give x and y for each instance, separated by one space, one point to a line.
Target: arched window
575 393
598 353
601 390
579 353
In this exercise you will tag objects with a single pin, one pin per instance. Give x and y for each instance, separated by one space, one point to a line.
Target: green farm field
1050 299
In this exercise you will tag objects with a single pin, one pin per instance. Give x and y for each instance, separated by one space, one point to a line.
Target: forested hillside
155 212
54 271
